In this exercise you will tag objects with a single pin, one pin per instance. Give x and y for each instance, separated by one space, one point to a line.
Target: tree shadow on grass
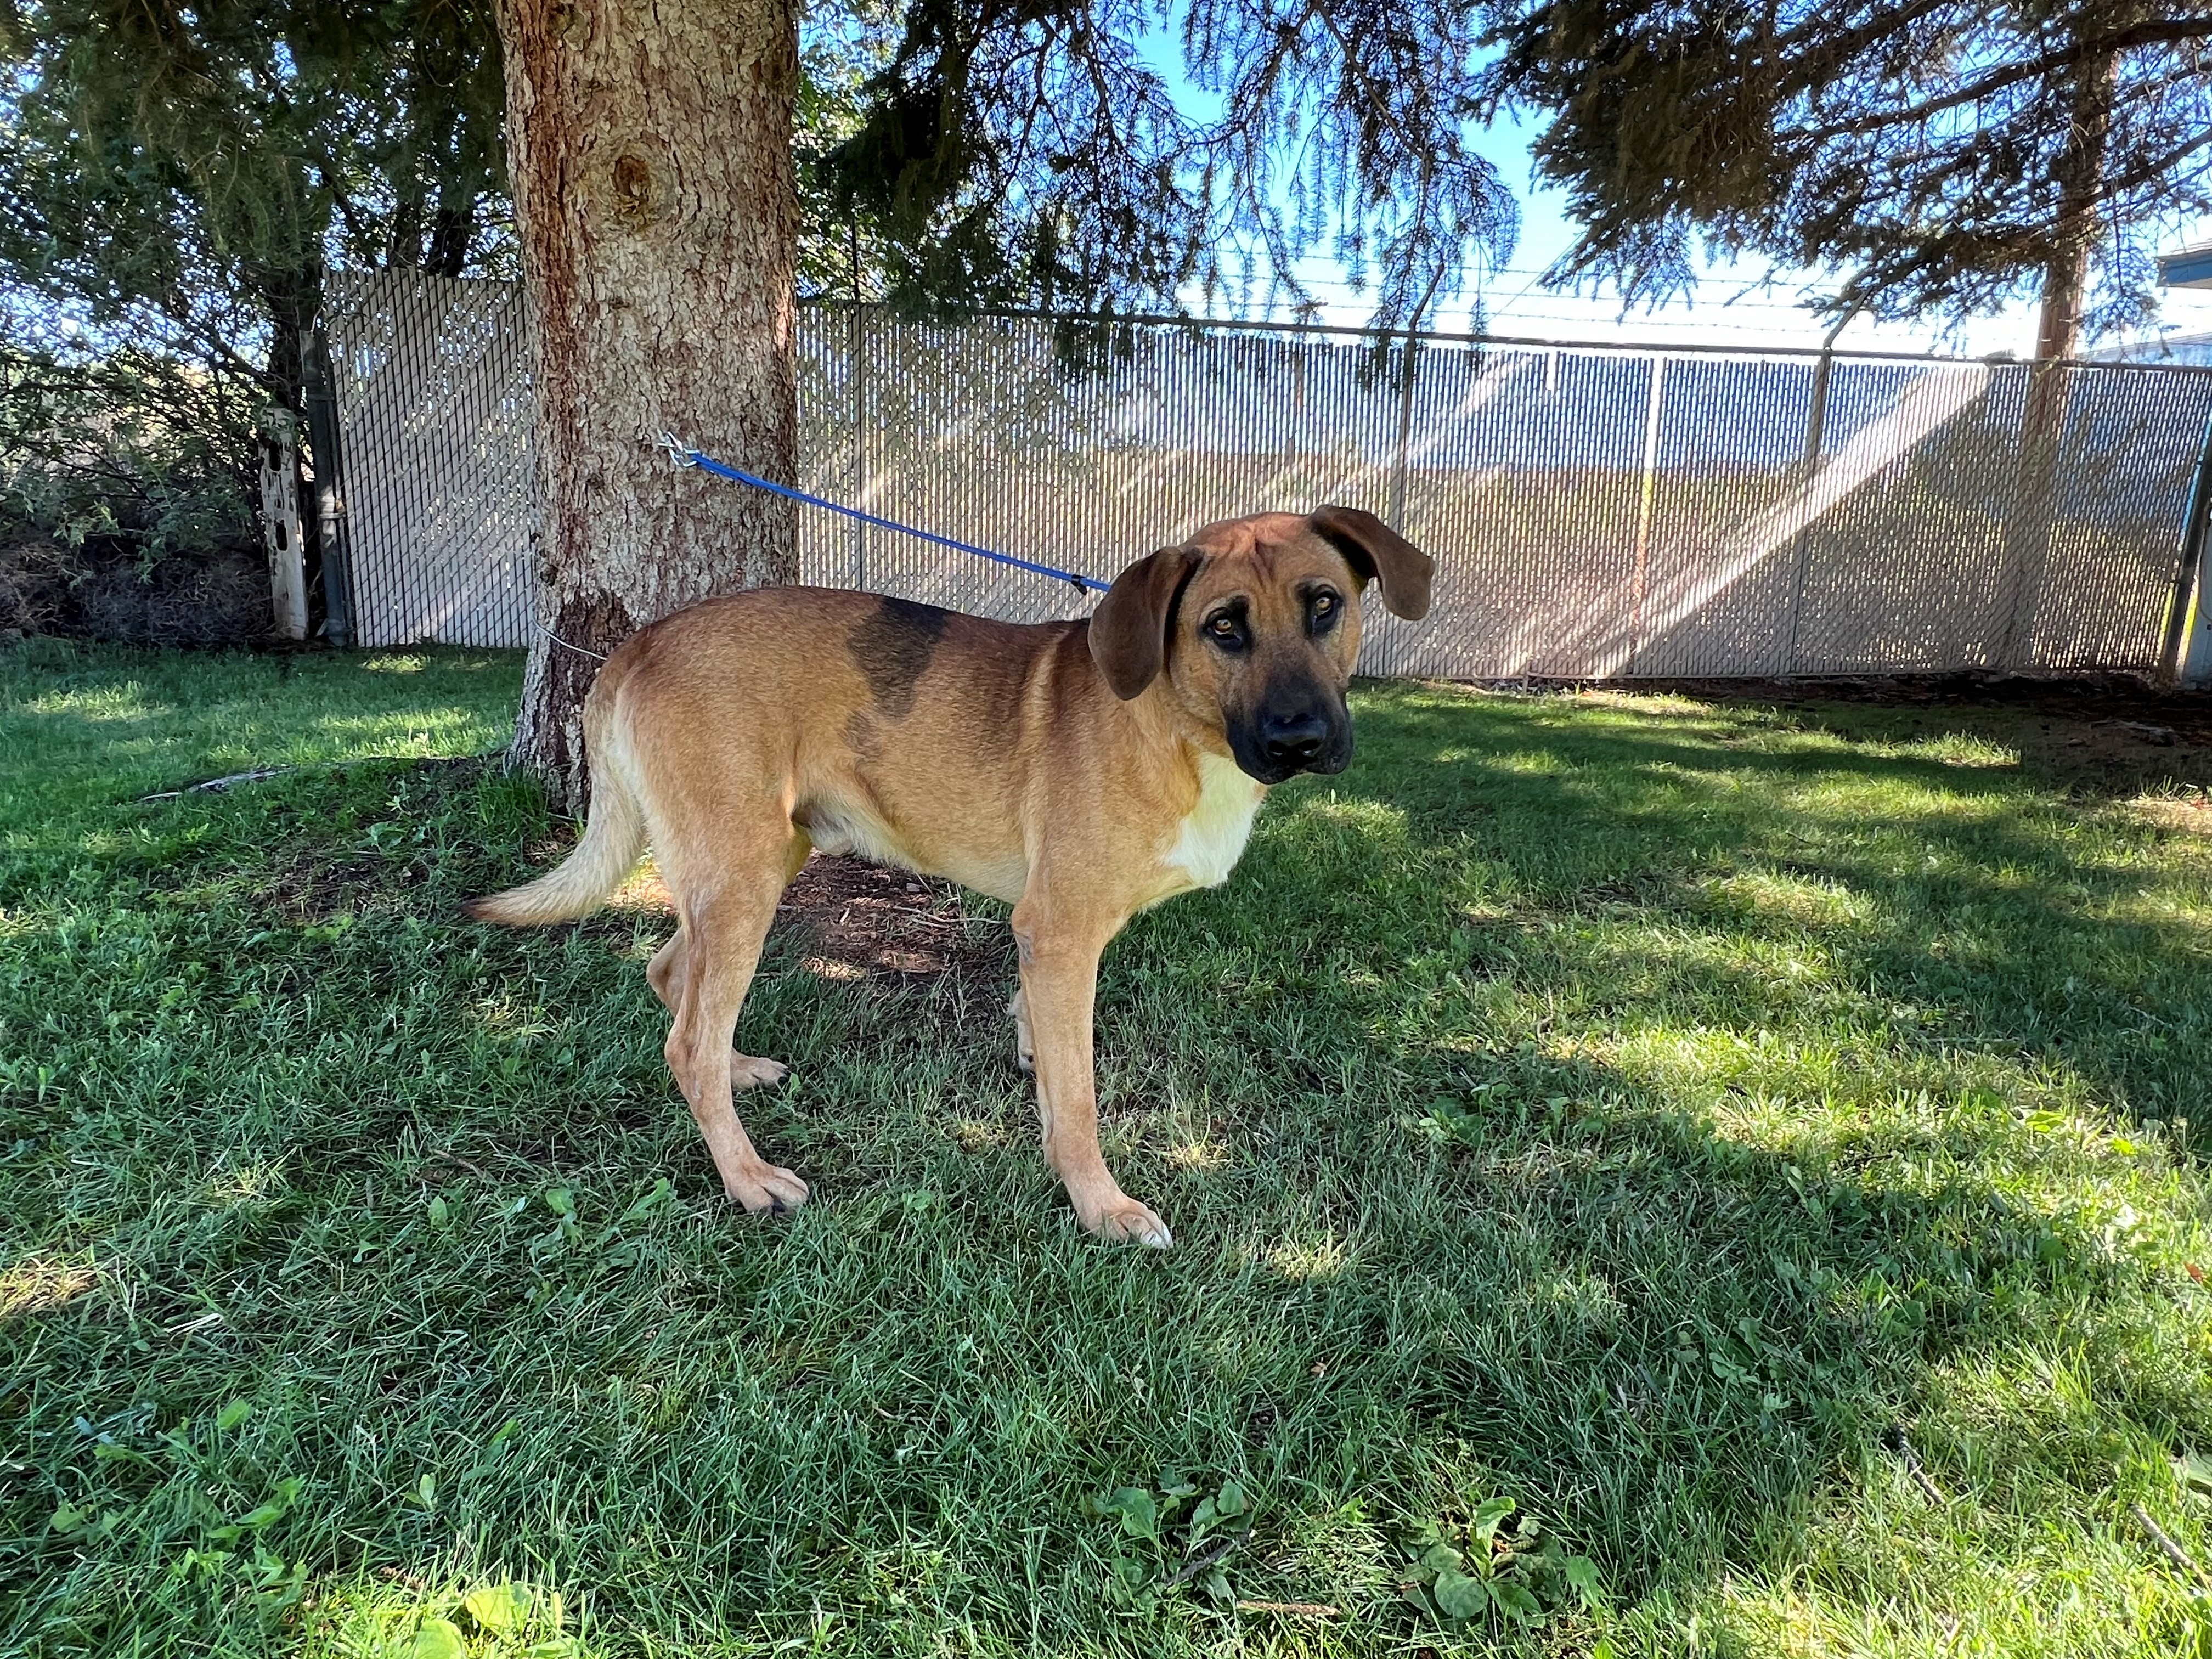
1775 1092
1538 1118
1958 888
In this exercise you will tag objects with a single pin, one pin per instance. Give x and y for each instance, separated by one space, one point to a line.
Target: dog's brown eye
1324 604
1226 630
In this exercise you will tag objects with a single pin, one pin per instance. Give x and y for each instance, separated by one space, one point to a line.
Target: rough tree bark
2080 175
653 194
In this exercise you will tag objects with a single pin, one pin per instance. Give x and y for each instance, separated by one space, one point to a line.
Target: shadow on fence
1594 511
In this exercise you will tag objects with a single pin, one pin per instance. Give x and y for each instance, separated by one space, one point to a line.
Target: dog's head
1254 623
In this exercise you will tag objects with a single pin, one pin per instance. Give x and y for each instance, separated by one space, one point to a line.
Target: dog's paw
765 1188
1125 1221
749 1072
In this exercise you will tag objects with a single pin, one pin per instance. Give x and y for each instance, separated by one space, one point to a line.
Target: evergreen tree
1943 156
1013 151
1035 151
187 174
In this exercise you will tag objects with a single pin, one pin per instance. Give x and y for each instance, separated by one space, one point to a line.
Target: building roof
2188 267
2178 349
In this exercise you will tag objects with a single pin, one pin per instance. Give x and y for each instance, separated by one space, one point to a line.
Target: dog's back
855 707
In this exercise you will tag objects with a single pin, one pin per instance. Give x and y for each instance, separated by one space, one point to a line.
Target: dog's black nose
1293 739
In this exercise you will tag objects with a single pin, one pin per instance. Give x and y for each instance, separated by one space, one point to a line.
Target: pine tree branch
2163 32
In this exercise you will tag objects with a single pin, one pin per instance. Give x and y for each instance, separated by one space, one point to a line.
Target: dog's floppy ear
1129 629
1378 553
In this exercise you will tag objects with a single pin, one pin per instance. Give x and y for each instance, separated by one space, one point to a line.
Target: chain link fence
1594 511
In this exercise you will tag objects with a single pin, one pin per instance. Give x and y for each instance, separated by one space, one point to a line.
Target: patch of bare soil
310 891
850 919
857 918
2131 709
2190 815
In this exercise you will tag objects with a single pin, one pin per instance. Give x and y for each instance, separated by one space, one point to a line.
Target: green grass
1675 1118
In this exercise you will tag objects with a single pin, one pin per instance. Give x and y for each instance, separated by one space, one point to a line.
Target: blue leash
683 455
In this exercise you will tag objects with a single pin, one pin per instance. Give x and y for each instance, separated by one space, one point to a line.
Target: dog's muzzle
1281 740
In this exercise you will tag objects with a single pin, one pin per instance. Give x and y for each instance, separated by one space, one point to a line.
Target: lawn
1752 1139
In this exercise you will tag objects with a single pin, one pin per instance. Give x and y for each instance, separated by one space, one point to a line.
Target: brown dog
1080 771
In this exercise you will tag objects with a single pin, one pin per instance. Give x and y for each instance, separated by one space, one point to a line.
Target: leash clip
680 455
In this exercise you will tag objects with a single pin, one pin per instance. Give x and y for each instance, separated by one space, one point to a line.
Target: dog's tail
614 834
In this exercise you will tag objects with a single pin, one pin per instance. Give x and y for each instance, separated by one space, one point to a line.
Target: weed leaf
1486 1518
1459 1597
2194 1471
1581 1574
496 1608
1139 1515
1516 1600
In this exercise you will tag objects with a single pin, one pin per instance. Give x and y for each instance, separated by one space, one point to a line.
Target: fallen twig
946 919
1911 1458
454 1157
2161 735
1197 1564
255 776
262 773
2159 1536
1303 1609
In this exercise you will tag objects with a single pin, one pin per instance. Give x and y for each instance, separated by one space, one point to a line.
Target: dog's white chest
1211 837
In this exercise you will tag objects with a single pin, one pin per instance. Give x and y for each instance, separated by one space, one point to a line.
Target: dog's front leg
1060 982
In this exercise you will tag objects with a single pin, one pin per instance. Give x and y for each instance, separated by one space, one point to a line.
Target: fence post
280 522
2029 527
1396 520
860 380
1639 581
332 553
2182 659
1816 427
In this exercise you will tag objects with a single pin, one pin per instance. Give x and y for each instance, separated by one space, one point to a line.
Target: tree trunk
2080 175
291 298
658 215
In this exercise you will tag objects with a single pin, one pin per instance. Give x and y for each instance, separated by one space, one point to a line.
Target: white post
1640 577
2197 660
2186 653
857 380
281 530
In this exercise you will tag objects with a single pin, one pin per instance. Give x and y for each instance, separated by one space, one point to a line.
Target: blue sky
1745 304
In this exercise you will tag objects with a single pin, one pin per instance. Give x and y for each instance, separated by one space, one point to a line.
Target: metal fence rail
1594 512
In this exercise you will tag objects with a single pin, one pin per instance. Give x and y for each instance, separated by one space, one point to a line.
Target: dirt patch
2190 815
311 890
2131 707
855 919
848 919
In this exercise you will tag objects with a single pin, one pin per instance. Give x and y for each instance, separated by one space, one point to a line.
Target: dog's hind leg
665 973
703 975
